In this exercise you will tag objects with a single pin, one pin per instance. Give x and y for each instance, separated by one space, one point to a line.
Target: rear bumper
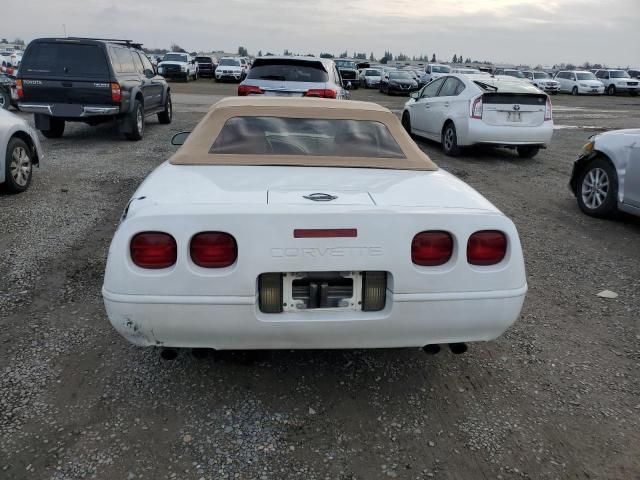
69 111
480 132
226 323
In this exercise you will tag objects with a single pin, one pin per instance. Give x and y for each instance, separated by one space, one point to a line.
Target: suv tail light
153 250
321 93
19 90
548 115
244 90
213 249
430 249
116 93
476 108
487 247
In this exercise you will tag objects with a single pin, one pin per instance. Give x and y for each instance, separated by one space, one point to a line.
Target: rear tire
597 188
575 91
611 90
527 152
56 128
137 122
166 116
5 100
450 140
18 166
406 122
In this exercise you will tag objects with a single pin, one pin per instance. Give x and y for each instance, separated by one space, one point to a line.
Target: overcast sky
511 31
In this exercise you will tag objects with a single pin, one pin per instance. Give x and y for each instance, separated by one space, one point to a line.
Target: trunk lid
513 109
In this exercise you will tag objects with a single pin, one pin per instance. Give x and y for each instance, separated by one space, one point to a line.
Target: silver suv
293 77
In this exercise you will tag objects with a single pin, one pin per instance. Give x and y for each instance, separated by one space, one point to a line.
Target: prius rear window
306 136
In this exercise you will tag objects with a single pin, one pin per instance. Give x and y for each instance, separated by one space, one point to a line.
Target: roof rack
130 43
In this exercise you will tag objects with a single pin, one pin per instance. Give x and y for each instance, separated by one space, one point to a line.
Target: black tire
56 128
406 122
5 100
591 202
574 91
19 169
611 90
166 116
450 140
527 152
137 122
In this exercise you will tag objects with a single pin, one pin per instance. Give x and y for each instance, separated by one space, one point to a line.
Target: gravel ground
557 397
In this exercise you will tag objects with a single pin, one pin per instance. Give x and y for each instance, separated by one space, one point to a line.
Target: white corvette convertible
309 223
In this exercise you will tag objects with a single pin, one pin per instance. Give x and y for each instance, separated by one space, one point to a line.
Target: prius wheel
574 91
598 188
611 90
450 140
406 122
19 166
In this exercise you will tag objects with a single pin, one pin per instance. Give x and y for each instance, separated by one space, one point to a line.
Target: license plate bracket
322 291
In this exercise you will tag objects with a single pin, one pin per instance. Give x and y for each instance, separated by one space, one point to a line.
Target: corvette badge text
326 252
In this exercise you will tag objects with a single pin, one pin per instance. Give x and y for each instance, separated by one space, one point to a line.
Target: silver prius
606 174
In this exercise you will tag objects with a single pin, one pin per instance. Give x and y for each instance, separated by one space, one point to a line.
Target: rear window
288 70
65 59
306 137
203 60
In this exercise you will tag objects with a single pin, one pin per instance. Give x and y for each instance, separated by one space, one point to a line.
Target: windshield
372 73
399 76
619 74
174 57
540 75
514 73
440 69
585 76
306 136
229 62
288 70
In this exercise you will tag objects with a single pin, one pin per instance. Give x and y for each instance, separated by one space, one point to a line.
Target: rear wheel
611 90
527 152
406 122
5 100
574 91
450 140
597 190
137 122
56 128
166 116
18 166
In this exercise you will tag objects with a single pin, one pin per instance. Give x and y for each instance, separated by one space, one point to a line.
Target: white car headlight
183 68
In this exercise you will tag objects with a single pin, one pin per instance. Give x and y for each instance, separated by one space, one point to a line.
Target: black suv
93 81
206 67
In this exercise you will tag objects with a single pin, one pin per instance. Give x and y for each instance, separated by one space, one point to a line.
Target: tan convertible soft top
195 150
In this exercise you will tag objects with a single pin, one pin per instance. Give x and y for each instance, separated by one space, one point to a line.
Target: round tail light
213 249
487 247
430 249
153 250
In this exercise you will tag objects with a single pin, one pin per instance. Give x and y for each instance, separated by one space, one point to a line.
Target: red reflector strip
326 233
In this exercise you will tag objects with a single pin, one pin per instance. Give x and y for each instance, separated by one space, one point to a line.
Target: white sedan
460 110
20 150
306 223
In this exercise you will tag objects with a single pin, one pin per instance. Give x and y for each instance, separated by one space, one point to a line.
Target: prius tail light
153 250
432 248
213 249
487 247
476 108
548 113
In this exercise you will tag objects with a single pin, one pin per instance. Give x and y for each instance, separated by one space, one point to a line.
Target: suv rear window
65 59
306 137
288 70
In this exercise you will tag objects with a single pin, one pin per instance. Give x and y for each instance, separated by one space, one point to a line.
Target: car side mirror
415 95
347 86
179 138
149 73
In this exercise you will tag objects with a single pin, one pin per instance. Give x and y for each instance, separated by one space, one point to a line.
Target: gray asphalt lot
557 397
